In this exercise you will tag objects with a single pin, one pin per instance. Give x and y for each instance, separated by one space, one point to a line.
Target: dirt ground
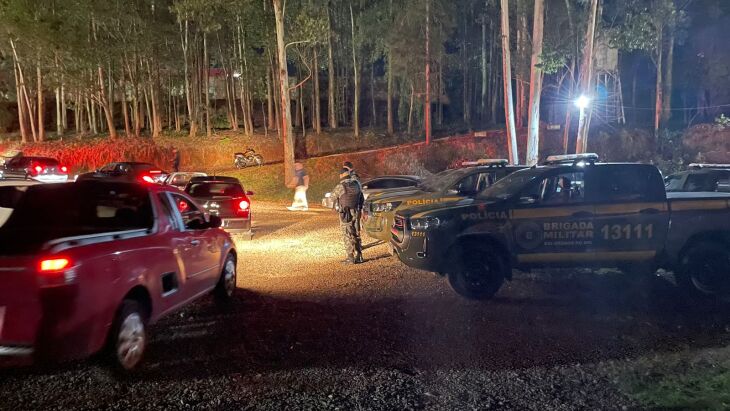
306 331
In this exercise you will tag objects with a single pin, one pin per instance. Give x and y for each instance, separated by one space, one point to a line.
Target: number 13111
627 231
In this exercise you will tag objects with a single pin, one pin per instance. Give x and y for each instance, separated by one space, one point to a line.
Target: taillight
64 169
54 265
147 179
242 207
37 169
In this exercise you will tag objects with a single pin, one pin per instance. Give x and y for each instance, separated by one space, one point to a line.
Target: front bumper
418 251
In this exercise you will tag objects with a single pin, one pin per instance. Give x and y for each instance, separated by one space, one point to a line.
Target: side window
375 184
558 189
674 182
169 212
467 185
701 182
188 210
485 180
628 184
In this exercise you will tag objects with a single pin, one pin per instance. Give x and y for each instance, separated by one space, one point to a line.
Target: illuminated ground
307 331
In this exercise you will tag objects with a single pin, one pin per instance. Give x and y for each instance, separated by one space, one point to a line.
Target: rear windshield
43 160
48 212
215 190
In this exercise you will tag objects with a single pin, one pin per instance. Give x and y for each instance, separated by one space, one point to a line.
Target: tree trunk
586 76
41 106
427 104
465 75
533 127
568 111
106 105
269 100
123 99
410 111
19 101
331 86
389 107
286 128
64 119
509 114
659 84
206 86
59 127
483 100
317 118
668 86
374 120
356 79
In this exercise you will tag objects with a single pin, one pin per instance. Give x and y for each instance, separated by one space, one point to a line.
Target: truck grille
398 229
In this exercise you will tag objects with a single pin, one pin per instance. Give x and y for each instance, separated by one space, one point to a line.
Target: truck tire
227 282
705 270
478 272
128 336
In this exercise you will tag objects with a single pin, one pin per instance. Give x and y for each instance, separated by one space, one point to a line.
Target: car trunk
20 306
222 206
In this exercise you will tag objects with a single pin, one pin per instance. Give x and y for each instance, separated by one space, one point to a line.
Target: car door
631 216
174 287
552 219
16 168
202 254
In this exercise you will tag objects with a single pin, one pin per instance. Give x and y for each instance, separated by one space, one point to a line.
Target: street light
582 102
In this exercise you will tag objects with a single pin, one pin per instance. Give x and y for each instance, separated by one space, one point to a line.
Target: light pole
582 103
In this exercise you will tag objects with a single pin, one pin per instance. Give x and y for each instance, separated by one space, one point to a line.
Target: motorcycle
248 158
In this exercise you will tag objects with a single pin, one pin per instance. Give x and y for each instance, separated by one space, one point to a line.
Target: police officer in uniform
348 202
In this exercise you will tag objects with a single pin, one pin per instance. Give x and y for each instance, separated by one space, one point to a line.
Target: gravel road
308 332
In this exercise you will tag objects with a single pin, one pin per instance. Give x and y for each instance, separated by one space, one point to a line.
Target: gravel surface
306 331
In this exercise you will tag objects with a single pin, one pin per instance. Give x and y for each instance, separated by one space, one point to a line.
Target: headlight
425 223
384 207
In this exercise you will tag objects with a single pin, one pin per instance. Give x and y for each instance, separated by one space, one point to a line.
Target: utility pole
509 113
427 108
586 78
533 125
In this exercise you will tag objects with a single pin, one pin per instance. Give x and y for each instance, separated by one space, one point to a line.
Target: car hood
462 205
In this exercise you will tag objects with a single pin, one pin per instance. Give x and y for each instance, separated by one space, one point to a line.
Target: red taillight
64 169
38 169
147 179
54 265
242 207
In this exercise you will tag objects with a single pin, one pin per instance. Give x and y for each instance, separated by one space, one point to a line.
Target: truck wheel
129 336
478 272
705 270
227 282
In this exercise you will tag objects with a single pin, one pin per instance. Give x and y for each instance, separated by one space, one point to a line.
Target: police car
444 187
700 177
572 212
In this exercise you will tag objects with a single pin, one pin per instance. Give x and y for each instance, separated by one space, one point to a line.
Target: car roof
39 158
402 177
214 179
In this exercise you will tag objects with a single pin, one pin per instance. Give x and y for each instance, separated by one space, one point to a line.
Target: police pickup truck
571 212
444 187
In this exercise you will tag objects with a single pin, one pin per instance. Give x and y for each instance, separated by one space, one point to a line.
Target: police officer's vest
351 197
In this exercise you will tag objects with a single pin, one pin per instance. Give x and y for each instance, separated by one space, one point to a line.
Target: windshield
673 183
215 190
440 181
510 185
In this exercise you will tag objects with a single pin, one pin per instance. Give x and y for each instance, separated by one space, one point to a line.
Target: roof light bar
706 165
572 158
487 162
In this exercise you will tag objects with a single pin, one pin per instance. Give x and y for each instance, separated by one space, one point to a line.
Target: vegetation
140 67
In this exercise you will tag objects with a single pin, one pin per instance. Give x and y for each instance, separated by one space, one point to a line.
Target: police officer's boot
358 259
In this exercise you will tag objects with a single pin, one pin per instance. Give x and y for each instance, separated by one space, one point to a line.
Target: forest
145 67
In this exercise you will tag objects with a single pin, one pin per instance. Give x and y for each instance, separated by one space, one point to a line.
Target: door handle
582 214
195 243
649 211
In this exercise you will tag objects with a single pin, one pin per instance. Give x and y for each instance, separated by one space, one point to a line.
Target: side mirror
452 192
250 193
527 200
214 221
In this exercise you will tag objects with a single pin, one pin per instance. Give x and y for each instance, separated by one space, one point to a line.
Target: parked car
43 169
180 179
700 177
127 171
571 215
384 184
92 263
224 197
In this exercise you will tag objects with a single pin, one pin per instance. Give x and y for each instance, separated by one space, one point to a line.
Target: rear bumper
237 225
51 178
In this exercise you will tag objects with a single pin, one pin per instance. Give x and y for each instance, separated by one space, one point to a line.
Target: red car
91 264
